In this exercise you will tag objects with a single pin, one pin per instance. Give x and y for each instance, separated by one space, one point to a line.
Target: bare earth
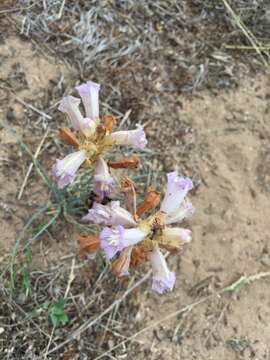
227 138
231 229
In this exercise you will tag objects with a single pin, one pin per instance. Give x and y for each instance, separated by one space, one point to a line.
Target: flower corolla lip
177 189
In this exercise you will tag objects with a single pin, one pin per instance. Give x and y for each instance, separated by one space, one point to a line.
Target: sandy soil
227 137
24 74
231 230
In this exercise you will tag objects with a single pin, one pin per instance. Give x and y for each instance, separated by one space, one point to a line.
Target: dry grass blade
243 47
33 108
248 34
5 11
32 164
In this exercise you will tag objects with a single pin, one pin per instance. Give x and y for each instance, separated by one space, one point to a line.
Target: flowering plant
130 235
92 139
129 238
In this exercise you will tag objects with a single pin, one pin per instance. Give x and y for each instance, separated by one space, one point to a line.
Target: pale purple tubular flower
184 211
116 239
177 189
89 92
176 235
70 106
111 240
64 170
103 182
134 138
163 279
111 214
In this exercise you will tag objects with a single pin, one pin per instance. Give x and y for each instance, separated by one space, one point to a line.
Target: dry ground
206 112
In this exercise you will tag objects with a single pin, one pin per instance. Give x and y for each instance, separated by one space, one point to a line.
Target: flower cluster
92 138
128 238
130 234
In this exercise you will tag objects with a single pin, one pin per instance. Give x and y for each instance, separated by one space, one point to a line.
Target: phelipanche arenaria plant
129 234
92 138
128 239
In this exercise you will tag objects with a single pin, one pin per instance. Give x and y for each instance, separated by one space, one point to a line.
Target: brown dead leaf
169 247
131 162
150 202
110 122
88 244
138 256
128 189
101 131
66 135
120 265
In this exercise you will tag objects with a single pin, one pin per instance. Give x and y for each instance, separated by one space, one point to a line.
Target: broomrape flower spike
92 140
130 236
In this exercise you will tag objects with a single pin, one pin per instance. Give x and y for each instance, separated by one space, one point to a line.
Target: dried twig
5 11
33 108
